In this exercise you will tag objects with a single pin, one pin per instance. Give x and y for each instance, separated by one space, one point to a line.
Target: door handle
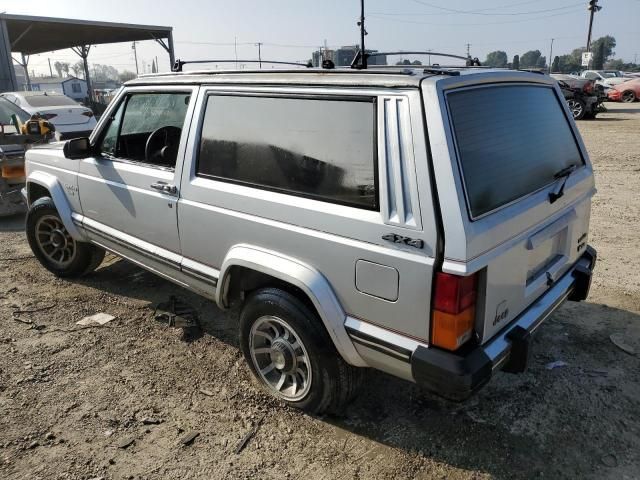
165 187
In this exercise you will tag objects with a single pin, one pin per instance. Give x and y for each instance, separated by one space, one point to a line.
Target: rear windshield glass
49 101
7 109
511 140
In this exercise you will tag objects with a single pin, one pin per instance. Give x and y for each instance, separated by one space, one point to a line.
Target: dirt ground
117 401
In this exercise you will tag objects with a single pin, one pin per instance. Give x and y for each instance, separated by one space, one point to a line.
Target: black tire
86 257
577 107
628 96
333 383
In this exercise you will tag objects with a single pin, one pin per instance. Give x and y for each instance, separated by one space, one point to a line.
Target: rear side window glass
511 141
323 149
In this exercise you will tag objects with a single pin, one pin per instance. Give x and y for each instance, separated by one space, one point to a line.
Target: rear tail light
48 116
87 114
12 172
454 310
588 87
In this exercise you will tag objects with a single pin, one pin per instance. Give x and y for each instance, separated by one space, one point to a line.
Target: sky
291 29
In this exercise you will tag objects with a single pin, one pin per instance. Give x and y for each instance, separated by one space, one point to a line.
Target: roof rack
357 59
177 66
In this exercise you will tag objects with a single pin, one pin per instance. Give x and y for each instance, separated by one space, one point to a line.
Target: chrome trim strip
142 265
146 249
385 338
201 272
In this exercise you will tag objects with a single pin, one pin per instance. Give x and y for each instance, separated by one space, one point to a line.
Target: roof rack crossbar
177 66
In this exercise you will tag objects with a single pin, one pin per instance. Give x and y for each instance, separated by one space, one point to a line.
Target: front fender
306 278
52 184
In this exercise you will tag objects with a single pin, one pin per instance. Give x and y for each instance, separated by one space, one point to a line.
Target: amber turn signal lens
13 172
449 330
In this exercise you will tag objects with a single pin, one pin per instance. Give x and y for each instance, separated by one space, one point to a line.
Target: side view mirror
77 148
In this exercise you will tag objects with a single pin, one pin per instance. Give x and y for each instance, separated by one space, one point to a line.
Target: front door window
146 128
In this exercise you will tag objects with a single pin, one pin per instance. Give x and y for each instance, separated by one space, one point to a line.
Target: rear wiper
564 173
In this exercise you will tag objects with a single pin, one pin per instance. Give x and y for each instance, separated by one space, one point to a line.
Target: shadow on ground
567 422
14 223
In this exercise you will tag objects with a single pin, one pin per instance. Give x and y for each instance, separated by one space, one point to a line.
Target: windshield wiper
564 173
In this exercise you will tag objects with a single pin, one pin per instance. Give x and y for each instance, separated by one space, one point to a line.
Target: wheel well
243 281
35 192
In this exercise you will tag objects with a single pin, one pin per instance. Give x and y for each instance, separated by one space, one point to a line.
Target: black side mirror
77 148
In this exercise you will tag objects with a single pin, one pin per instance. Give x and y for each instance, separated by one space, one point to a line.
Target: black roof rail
177 66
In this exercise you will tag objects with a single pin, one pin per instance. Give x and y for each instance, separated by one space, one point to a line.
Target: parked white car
607 78
71 119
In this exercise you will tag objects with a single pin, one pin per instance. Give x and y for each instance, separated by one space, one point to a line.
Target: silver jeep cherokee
420 222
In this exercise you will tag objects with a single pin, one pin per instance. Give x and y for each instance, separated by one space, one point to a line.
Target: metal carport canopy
32 35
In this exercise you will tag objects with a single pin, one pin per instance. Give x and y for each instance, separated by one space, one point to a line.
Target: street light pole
593 8
551 55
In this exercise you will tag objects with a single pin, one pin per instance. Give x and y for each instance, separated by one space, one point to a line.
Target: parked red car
626 92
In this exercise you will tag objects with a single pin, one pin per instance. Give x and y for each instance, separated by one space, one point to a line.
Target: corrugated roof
32 35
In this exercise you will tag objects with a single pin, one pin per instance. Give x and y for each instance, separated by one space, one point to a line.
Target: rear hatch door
514 184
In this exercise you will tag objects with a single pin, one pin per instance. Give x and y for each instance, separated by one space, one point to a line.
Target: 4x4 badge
392 237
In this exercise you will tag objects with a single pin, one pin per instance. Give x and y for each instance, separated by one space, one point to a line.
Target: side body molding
309 280
52 184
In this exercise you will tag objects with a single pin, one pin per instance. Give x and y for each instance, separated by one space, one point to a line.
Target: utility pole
363 32
50 70
135 56
259 44
468 50
593 8
551 55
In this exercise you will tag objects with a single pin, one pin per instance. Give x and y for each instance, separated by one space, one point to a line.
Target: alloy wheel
54 241
280 358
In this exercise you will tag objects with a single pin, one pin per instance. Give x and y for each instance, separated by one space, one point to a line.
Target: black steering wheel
162 146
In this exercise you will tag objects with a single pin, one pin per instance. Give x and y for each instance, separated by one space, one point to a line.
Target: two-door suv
420 222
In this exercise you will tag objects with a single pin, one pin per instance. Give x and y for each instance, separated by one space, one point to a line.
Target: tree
542 62
409 62
598 56
78 69
58 67
530 59
608 44
65 68
496 59
555 67
126 76
516 62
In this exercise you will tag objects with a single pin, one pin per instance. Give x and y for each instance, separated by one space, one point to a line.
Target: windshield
511 141
49 101
7 109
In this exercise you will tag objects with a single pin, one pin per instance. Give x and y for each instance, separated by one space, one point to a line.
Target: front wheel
577 107
54 247
628 96
292 356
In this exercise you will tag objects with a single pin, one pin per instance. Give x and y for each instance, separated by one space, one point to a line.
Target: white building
72 87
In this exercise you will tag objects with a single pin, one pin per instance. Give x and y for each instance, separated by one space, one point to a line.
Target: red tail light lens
87 114
588 87
453 293
454 310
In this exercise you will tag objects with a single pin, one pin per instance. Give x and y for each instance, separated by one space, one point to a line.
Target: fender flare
301 275
52 184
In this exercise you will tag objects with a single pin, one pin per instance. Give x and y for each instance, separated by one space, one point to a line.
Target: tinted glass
110 138
49 101
318 148
512 140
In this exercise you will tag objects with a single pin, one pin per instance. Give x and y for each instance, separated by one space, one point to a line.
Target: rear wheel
577 107
628 96
292 356
54 247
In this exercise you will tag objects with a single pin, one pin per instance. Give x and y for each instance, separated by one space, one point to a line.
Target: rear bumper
456 376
